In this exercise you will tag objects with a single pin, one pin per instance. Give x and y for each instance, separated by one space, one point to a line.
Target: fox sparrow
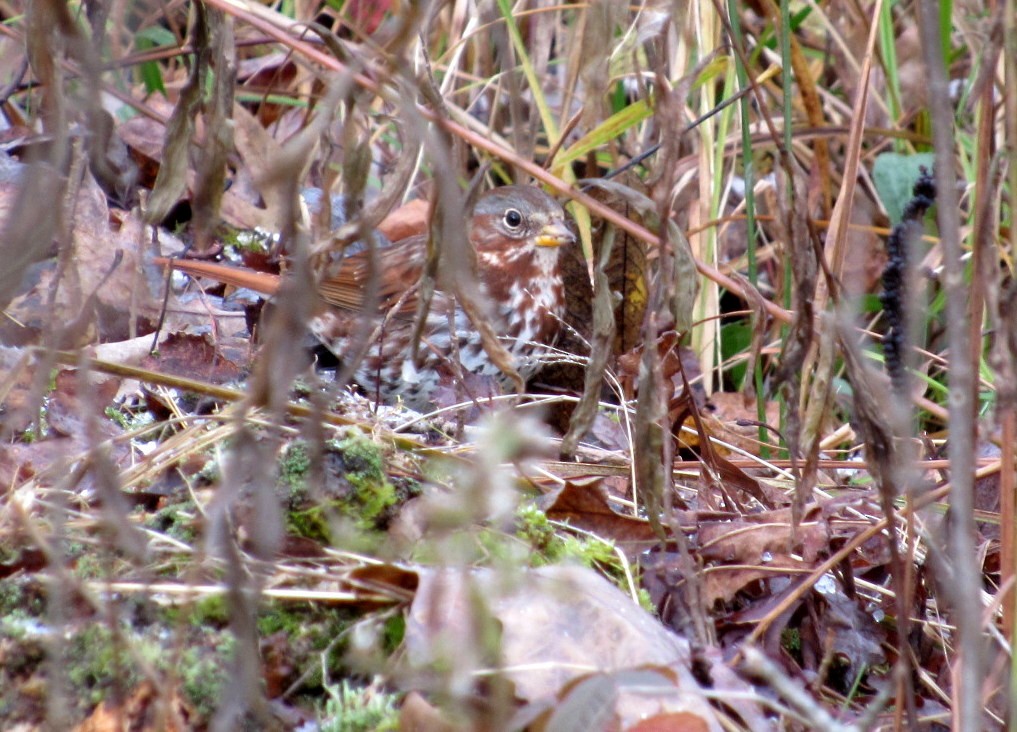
515 232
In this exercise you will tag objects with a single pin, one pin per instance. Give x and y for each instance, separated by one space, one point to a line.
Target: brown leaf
22 560
728 417
628 699
674 359
626 270
723 583
147 709
144 136
388 579
193 356
865 251
586 507
171 181
718 471
608 432
103 292
366 16
26 236
66 405
682 290
852 633
671 722
627 273
21 401
278 670
987 492
45 460
555 622
578 320
732 627
746 541
419 715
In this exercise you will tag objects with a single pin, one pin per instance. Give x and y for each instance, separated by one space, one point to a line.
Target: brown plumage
515 232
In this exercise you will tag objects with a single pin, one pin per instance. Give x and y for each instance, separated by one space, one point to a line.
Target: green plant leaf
736 338
150 71
717 68
155 35
607 130
894 175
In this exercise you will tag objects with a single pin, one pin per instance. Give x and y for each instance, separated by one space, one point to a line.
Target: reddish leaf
671 722
586 507
193 356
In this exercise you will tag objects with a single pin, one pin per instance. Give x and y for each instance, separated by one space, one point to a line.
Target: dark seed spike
894 297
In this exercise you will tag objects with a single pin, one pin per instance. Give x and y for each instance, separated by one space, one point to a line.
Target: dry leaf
556 623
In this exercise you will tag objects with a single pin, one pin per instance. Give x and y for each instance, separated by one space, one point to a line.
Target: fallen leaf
193 356
557 623
146 710
586 507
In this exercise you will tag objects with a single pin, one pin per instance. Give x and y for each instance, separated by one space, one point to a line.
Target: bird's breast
533 310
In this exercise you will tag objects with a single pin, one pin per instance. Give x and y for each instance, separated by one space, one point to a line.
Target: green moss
133 419
177 521
646 601
314 624
349 709
496 547
94 664
117 417
310 629
533 527
320 623
311 523
293 467
355 489
590 552
211 610
40 428
203 672
361 455
210 472
20 598
90 566
366 473
554 547
209 613
255 241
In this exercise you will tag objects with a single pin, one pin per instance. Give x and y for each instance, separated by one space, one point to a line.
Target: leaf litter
457 563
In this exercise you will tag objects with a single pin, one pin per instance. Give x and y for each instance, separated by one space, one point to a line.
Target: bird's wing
347 283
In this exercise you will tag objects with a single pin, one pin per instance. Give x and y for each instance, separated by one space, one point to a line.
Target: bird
516 233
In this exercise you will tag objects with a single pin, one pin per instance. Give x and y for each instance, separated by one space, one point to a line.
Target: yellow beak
555 234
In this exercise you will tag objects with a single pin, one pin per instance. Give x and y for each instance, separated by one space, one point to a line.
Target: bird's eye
513 219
